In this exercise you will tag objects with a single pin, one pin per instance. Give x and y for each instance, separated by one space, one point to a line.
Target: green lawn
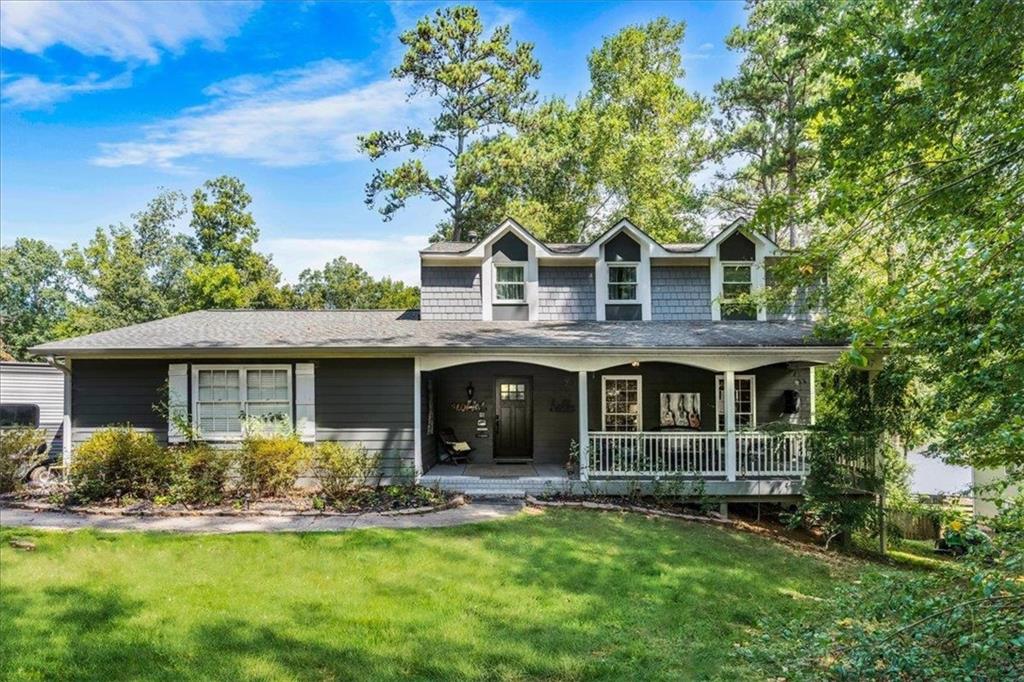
565 595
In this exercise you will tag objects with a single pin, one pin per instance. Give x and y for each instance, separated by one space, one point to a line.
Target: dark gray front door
513 428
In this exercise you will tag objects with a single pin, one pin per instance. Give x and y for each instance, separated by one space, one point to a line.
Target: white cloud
293 117
397 257
119 30
29 92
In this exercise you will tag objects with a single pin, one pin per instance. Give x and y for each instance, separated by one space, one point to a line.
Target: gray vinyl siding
680 293
566 294
553 429
108 393
664 377
37 384
450 293
368 401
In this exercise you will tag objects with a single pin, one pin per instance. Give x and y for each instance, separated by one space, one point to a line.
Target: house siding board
566 294
680 293
107 393
37 384
450 293
511 247
368 402
796 308
622 248
663 377
552 430
736 247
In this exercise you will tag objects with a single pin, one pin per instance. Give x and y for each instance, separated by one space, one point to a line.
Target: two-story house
625 359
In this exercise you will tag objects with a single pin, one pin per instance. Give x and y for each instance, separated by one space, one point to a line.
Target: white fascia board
767 246
483 248
655 249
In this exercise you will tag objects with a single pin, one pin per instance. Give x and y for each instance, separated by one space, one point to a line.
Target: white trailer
33 394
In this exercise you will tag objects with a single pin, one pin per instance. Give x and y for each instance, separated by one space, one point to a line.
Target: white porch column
730 424
584 435
417 418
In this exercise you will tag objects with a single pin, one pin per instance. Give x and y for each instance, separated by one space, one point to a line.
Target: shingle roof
556 247
232 330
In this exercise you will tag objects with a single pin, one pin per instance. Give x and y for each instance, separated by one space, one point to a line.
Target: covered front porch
644 420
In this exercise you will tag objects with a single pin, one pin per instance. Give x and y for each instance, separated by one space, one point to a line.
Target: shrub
961 622
120 462
198 473
21 449
269 464
340 469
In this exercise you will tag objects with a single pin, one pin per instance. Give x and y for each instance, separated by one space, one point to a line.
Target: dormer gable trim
764 245
508 225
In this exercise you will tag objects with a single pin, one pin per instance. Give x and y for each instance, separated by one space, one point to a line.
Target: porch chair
456 451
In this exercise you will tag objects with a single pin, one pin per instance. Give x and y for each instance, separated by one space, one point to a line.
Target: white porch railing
698 453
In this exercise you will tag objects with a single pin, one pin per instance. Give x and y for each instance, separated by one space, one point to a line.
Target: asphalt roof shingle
230 330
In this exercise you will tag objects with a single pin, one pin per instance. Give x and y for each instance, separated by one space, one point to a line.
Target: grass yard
566 595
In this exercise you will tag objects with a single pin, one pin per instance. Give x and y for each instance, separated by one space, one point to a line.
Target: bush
21 449
198 473
119 462
961 622
340 469
269 464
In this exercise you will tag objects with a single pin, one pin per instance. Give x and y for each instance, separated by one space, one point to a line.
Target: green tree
33 294
766 120
628 146
481 84
127 273
652 132
226 234
343 285
922 205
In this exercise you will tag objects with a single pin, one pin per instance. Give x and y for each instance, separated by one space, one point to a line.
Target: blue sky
102 104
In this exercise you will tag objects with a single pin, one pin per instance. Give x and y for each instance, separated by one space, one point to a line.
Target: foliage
921 152
269 464
198 473
33 293
850 453
343 285
340 469
481 83
146 269
627 147
958 623
19 453
225 240
119 462
766 121
512 597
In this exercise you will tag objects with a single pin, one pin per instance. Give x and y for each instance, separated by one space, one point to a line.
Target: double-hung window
622 403
510 284
622 283
736 290
225 397
746 417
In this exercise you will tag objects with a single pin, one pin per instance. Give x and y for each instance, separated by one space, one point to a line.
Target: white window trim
720 379
636 284
243 388
643 276
639 399
525 265
735 264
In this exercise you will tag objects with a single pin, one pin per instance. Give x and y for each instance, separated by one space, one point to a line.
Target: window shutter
177 400
305 407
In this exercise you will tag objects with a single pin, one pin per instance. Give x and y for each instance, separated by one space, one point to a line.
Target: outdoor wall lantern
470 391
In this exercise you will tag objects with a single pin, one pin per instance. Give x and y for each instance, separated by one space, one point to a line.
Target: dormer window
510 284
622 282
737 281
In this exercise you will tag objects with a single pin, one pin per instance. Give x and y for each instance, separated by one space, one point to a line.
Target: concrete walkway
469 513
